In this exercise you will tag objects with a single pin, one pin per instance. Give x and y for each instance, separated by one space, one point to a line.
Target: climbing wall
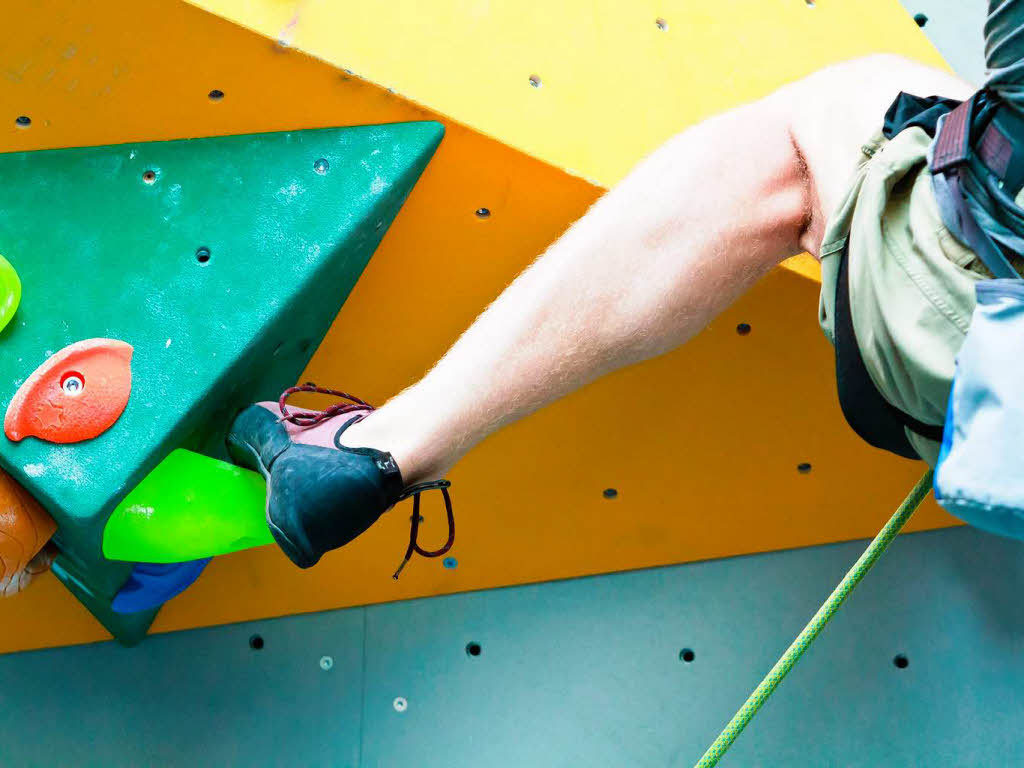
539 119
955 28
642 668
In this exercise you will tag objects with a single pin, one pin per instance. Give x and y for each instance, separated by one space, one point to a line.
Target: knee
835 110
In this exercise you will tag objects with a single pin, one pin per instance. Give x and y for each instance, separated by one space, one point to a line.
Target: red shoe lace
310 418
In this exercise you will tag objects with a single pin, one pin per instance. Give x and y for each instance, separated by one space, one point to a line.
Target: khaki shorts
911 281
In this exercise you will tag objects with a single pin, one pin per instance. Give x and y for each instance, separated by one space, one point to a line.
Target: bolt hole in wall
215 95
535 81
687 655
610 493
203 255
921 19
23 121
743 329
473 649
483 213
149 177
900 661
804 467
321 166
73 383
256 642
450 563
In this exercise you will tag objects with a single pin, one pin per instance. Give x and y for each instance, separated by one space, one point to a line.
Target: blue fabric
979 476
1004 50
152 584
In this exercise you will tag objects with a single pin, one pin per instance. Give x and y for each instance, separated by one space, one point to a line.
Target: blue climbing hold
153 584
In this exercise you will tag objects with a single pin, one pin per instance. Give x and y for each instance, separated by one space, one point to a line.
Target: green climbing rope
815 625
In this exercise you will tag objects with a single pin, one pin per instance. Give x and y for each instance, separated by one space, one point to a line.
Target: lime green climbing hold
187 508
10 292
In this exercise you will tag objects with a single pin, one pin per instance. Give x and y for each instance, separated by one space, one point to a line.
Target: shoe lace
415 491
310 418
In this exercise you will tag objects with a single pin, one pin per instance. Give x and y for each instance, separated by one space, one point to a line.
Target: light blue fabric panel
980 472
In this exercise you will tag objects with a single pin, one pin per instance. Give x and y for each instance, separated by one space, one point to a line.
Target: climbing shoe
320 498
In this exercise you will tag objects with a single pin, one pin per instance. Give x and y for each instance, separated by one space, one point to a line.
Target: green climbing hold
188 507
10 292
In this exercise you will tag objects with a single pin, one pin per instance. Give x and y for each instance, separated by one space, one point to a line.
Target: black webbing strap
950 158
872 417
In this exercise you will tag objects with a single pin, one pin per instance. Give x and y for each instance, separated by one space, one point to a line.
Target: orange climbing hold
75 395
24 530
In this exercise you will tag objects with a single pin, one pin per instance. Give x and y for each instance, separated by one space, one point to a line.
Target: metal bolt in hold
326 663
400 704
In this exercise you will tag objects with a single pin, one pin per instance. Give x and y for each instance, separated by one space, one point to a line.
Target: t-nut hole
73 383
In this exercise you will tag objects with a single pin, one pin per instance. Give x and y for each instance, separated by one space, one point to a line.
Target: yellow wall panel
702 444
614 84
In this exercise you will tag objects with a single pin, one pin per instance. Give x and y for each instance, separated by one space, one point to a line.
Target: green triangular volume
222 261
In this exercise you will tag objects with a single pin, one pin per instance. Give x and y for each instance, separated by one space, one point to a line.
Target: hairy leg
689 230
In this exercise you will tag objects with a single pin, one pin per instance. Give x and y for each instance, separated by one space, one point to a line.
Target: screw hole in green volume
828 609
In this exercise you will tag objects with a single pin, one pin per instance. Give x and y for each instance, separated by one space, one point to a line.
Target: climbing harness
980 473
872 417
975 165
828 609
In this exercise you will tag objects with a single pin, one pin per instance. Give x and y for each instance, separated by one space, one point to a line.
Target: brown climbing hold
25 528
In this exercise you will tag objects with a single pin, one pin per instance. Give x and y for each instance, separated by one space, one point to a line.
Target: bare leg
653 262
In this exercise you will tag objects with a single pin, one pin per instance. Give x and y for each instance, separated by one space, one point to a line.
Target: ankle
376 431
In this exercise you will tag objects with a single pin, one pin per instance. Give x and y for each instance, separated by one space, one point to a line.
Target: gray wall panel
194 698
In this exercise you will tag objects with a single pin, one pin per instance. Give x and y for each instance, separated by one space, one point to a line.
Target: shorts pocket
957 252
